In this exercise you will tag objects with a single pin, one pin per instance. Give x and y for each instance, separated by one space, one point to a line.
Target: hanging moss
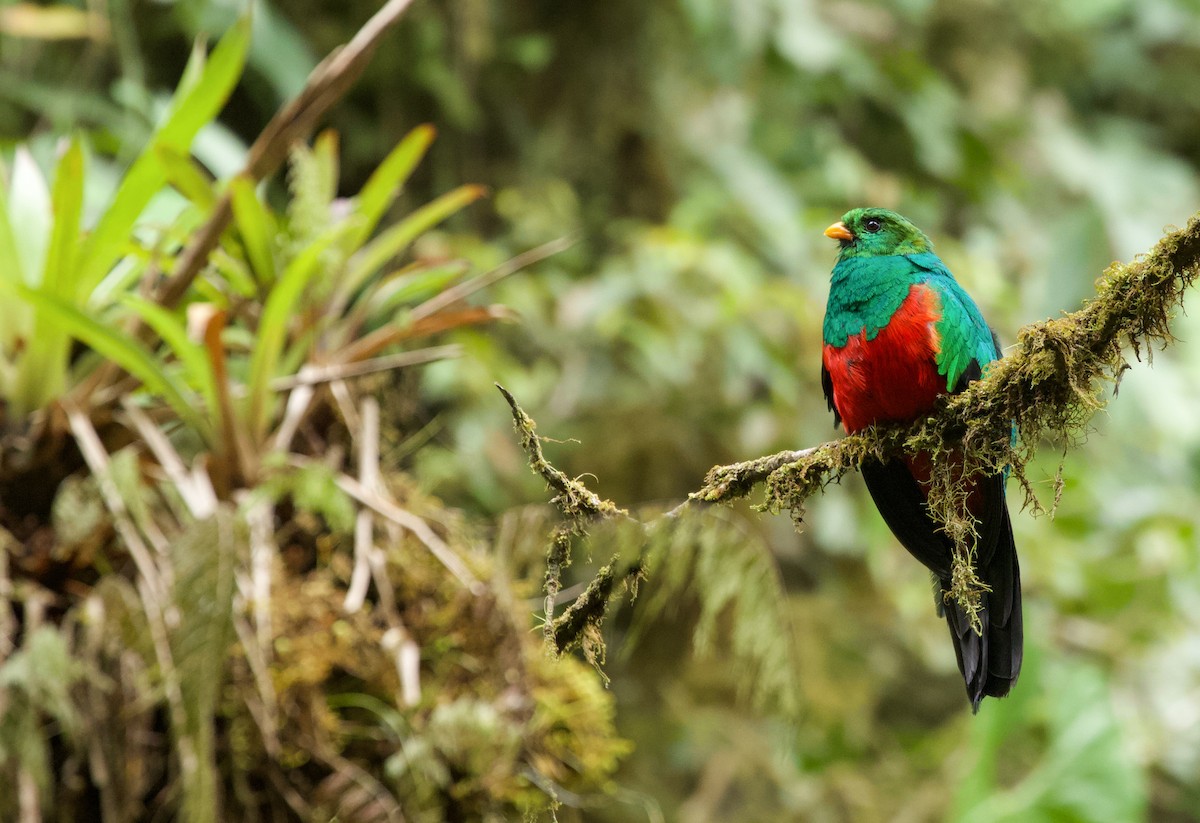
1046 389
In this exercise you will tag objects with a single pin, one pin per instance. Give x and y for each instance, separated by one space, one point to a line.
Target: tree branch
1048 385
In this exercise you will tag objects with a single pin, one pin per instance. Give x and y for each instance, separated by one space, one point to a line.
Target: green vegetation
272 549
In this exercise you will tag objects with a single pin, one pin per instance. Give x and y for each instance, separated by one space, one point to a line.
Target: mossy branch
1048 386
579 624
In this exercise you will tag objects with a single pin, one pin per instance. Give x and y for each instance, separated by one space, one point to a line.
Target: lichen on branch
1047 387
579 625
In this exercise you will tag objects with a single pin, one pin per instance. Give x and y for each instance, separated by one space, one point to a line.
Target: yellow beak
838 231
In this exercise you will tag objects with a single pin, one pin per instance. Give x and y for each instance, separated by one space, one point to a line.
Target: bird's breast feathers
892 376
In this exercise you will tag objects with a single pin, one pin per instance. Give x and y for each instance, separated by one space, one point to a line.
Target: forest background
692 152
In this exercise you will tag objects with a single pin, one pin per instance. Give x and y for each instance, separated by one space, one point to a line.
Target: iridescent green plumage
899 331
872 278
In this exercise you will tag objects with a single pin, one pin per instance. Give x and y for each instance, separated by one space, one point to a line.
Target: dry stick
370 563
407 520
97 461
378 340
463 290
8 619
312 375
194 489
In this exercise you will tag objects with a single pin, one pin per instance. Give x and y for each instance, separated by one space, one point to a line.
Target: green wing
967 344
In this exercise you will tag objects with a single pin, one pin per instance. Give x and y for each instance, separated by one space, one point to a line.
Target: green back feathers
885 256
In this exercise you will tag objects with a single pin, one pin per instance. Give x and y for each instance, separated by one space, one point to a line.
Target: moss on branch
1047 387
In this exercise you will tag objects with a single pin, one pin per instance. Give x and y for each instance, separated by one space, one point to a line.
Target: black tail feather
990 661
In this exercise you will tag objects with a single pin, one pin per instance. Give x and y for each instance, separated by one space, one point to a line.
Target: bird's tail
990 661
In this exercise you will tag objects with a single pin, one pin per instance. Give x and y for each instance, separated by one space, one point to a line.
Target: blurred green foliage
698 148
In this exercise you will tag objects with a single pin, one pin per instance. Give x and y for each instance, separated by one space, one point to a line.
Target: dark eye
872 224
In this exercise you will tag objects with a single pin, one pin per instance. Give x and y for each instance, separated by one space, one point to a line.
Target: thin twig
312 375
463 290
364 523
196 490
407 520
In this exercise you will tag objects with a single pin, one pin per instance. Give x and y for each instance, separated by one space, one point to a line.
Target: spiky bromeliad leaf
256 226
277 316
385 182
41 372
204 557
207 83
395 239
126 352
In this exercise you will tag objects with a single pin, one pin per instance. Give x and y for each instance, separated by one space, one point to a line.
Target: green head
872 232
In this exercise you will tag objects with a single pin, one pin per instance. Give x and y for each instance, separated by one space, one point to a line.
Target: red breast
893 377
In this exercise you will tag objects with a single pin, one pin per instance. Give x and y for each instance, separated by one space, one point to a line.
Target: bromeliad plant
160 444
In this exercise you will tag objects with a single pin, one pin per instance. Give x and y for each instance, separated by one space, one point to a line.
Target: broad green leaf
172 331
186 177
385 182
196 103
14 316
11 268
119 348
205 559
42 369
29 214
256 226
67 202
273 327
412 287
280 51
397 238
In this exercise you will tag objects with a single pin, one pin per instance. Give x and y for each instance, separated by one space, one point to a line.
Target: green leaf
413 286
171 330
42 370
185 175
67 203
45 670
384 184
256 227
11 268
196 103
280 51
397 238
37 681
273 327
29 214
121 349
205 559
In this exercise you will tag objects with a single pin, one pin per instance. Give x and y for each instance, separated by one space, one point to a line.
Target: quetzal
898 332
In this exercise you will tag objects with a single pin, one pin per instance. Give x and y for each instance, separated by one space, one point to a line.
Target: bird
899 331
